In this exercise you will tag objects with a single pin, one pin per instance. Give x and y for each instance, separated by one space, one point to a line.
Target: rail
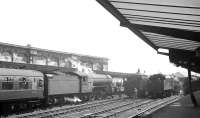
65 109
126 108
140 109
154 108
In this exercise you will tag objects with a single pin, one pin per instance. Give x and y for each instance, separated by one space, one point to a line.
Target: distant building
36 56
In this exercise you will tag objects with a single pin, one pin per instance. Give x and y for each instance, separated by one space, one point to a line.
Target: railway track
107 107
152 108
122 108
132 110
135 109
113 111
68 109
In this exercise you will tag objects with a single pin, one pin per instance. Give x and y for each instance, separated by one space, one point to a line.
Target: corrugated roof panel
164 24
156 8
183 3
169 37
164 19
172 24
157 40
174 46
171 42
187 18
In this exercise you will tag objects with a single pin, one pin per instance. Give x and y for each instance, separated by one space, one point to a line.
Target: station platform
180 109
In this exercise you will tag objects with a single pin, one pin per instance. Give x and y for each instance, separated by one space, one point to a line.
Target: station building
27 57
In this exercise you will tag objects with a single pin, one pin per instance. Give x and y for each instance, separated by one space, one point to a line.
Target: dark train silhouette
160 86
195 84
24 89
155 86
136 82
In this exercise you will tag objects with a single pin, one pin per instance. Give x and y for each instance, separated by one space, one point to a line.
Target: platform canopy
166 24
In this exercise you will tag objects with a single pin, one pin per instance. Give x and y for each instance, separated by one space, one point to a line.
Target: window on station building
7 83
97 66
5 56
39 60
87 65
19 57
105 67
65 62
52 61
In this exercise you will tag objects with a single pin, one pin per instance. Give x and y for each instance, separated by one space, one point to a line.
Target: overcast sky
78 26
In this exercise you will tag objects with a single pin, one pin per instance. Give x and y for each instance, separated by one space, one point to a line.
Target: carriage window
23 84
40 83
7 84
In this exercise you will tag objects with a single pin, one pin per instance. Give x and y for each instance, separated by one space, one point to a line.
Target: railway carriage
20 88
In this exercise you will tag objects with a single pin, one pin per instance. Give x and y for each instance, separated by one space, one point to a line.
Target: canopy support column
190 88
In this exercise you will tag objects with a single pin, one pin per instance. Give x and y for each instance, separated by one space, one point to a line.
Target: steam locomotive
138 82
26 89
23 89
155 86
